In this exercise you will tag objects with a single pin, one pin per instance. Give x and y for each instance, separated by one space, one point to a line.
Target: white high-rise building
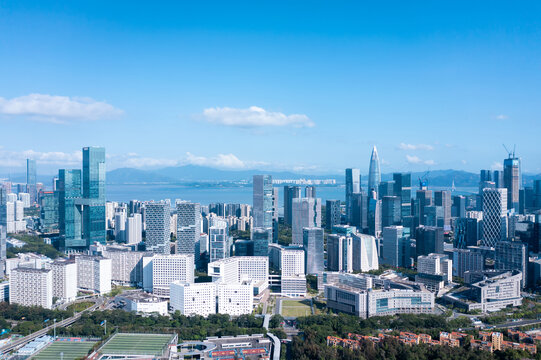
365 252
127 266
158 228
193 299
120 223
313 243
64 273
434 271
235 298
134 229
292 261
31 287
110 207
494 216
25 198
94 273
159 271
306 213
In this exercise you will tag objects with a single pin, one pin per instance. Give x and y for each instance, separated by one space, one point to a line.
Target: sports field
136 344
70 350
295 308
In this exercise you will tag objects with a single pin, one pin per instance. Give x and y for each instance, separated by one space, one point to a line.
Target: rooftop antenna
511 154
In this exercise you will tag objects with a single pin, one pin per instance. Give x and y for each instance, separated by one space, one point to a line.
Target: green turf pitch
71 350
136 344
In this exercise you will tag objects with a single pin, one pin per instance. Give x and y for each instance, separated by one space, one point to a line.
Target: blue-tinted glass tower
69 210
94 195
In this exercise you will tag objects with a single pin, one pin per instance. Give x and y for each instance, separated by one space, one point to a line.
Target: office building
31 287
364 253
374 172
292 261
31 180
512 179
423 199
261 239
193 299
93 200
121 213
391 211
467 260
49 211
220 242
263 194
64 275
434 271
310 192
158 233
306 213
126 265
94 273
159 271
395 246
134 229
290 193
458 209
313 244
386 188
512 255
374 216
360 211
494 216
402 189
333 213
442 198
3 249
429 239
339 253
188 228
70 213
353 185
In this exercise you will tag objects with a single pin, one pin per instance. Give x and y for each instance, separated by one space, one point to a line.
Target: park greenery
34 244
25 320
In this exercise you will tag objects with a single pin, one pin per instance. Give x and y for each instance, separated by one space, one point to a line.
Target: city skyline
425 89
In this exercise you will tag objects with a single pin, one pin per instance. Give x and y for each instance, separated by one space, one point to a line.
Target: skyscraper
31 180
312 241
263 195
443 198
512 181
402 189
393 246
374 172
3 254
512 255
93 201
70 213
494 216
429 239
391 209
158 227
360 211
353 185
310 191
365 253
188 228
261 238
332 213
219 240
290 193
306 213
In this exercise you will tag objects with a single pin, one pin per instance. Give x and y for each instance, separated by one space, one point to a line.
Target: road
66 322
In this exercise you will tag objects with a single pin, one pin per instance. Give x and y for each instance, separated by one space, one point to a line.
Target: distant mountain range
194 173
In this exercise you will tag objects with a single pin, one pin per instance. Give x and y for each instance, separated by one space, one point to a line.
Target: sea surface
206 194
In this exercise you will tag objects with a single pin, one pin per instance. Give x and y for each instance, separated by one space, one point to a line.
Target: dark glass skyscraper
512 181
290 193
70 212
353 185
94 195
402 189
263 195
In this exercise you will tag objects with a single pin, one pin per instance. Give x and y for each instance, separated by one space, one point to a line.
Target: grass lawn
296 308
70 350
80 306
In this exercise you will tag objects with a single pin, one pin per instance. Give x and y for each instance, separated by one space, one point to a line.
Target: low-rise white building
94 273
293 285
159 271
238 268
141 302
235 299
193 299
31 287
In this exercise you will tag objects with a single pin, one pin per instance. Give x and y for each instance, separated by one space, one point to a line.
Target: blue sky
306 86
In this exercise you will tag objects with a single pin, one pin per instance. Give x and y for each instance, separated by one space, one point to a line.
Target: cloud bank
254 117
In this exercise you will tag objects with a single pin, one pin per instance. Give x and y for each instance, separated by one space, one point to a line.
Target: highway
66 322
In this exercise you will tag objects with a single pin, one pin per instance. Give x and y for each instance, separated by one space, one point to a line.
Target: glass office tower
94 195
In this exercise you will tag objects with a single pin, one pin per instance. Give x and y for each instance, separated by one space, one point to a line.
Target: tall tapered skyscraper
374 172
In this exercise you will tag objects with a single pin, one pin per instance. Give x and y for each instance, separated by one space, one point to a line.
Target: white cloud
220 160
58 108
412 159
496 165
254 117
404 146
464 162
18 158
502 117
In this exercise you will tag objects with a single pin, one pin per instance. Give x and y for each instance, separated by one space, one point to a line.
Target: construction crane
423 181
509 153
